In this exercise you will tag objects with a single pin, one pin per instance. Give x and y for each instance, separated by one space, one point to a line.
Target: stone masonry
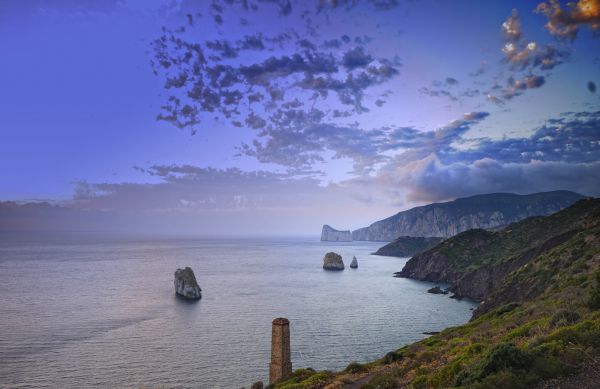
281 361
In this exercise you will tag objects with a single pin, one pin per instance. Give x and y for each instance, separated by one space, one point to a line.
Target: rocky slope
538 326
407 246
476 262
329 233
486 211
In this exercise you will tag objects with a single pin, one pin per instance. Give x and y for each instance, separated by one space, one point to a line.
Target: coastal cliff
330 234
476 262
488 211
538 325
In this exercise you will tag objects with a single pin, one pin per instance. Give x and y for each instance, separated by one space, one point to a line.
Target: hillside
487 211
539 326
407 246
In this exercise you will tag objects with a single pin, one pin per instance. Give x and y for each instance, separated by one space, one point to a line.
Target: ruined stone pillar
281 360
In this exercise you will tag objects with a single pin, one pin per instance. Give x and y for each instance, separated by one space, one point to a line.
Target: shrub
503 357
420 382
383 381
391 357
594 300
355 367
564 317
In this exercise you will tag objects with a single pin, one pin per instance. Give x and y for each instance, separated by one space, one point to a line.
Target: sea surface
85 311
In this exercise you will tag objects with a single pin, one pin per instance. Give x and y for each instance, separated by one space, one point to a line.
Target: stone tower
281 361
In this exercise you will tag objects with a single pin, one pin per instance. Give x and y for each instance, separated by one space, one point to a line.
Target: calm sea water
102 312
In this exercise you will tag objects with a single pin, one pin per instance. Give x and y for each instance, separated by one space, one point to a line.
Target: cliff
329 233
407 246
488 211
476 262
539 323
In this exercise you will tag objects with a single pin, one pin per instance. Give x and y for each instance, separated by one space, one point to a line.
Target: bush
420 382
594 300
383 381
564 317
355 367
391 357
504 357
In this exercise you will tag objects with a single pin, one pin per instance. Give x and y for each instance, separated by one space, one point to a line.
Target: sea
100 311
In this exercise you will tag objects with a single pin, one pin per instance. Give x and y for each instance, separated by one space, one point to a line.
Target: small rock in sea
333 261
457 297
186 284
431 332
354 263
437 290
398 274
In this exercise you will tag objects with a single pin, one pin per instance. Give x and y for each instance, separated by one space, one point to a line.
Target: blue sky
289 114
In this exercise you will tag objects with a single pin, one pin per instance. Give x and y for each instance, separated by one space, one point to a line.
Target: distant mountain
407 246
447 219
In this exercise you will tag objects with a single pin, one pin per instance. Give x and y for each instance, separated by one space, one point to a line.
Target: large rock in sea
186 284
330 234
333 261
354 263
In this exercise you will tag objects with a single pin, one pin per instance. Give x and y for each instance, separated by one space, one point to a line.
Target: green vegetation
407 246
544 322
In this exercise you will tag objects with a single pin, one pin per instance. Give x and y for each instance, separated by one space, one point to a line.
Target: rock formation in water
330 234
437 290
407 246
186 284
333 261
488 211
354 263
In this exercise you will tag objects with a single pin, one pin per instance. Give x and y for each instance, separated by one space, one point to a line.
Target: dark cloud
516 87
591 86
210 79
564 23
356 58
451 81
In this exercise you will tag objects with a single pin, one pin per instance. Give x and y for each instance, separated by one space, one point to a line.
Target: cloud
564 23
591 86
526 54
561 154
429 180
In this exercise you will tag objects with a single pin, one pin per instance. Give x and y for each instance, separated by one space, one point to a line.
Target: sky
242 117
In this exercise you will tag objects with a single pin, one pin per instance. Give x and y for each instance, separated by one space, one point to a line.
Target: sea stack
330 234
281 360
354 263
333 261
186 284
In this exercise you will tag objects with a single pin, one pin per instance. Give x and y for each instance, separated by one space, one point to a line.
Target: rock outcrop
354 263
333 261
330 234
437 290
186 284
407 246
488 211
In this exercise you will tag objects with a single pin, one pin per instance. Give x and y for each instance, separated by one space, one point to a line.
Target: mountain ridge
485 211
